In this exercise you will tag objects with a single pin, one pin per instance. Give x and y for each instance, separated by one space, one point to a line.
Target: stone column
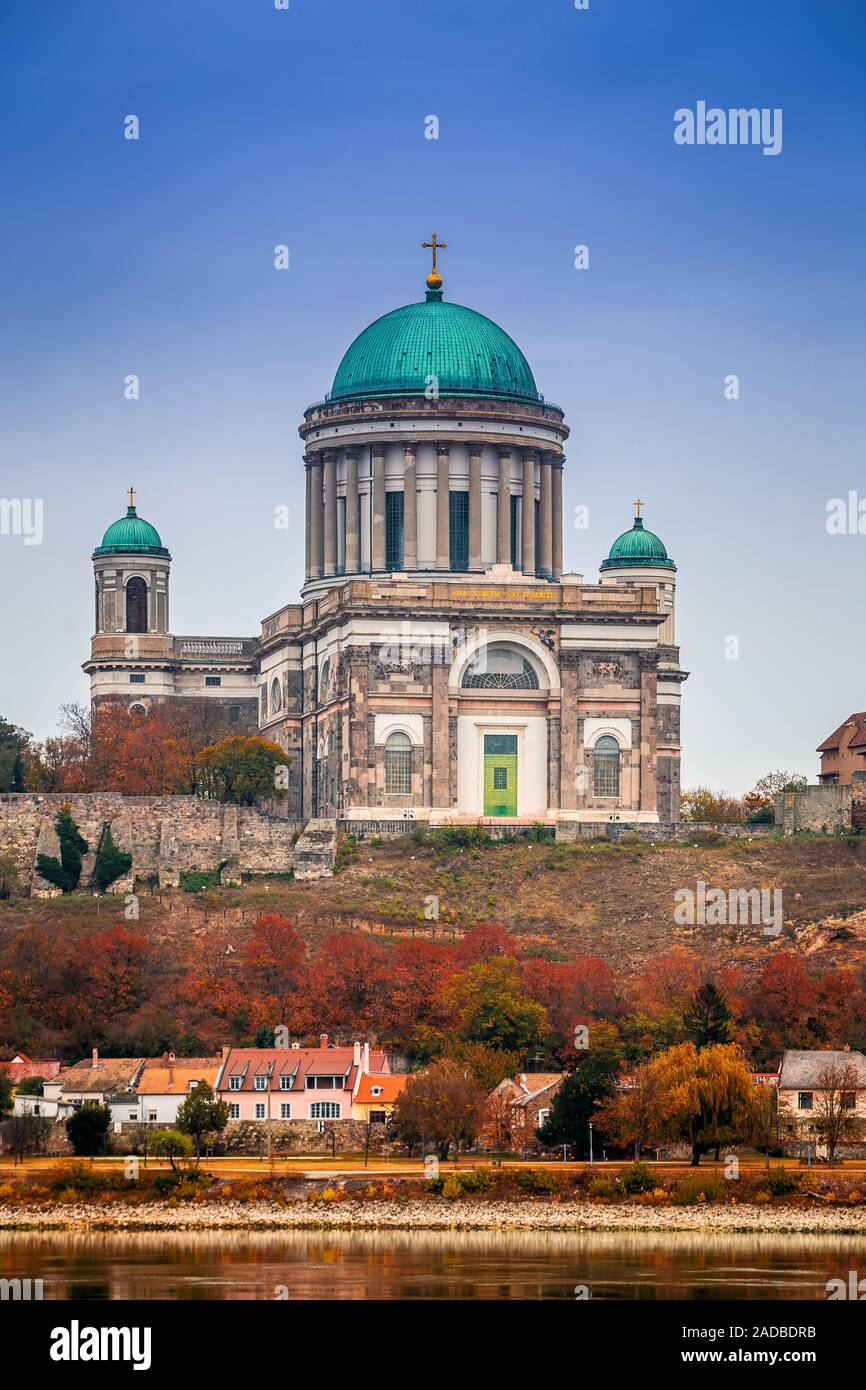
410 510
353 526
378 501
475 506
316 518
307 538
648 740
528 528
441 771
571 795
503 539
330 502
557 515
544 561
443 535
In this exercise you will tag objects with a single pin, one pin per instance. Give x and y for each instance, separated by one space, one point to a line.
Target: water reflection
429 1264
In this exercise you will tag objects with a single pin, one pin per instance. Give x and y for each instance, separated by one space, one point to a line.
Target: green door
500 774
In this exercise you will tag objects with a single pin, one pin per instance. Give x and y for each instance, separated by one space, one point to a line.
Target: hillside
616 902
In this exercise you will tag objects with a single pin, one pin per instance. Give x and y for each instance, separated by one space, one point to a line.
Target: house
166 1082
111 1081
843 754
22 1068
376 1095
810 1081
518 1107
296 1083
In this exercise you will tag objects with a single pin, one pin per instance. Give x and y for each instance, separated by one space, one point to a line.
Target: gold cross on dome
132 497
638 504
434 246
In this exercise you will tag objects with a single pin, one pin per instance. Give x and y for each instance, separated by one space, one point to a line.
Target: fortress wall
166 835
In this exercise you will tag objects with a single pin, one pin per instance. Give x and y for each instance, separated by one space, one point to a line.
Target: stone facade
165 835
441 664
825 809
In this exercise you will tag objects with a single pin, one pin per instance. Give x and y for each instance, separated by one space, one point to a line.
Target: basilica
439 665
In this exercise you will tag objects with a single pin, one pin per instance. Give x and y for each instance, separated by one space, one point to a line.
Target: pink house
296 1083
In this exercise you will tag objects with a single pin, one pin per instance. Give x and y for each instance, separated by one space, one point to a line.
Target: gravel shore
436 1214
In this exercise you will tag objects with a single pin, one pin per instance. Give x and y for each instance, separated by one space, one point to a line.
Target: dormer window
285 1083
261 1083
235 1083
376 1090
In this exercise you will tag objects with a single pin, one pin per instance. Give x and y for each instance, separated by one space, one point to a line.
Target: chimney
94 1060
356 1053
323 1040
523 1079
366 1057
224 1051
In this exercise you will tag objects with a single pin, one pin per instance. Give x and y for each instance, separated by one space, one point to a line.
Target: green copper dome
637 547
131 535
469 354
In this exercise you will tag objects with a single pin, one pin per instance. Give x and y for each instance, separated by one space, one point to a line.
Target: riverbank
439 1215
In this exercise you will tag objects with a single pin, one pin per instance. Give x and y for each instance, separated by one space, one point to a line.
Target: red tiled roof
294 1061
161 1077
24 1069
835 739
391 1084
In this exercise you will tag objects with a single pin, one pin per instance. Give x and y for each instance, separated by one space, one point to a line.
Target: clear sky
306 126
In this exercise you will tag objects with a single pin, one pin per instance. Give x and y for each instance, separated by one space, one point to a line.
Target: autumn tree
705 1097
272 970
487 1006
240 770
350 982
700 804
835 1117
763 795
441 1106
631 1116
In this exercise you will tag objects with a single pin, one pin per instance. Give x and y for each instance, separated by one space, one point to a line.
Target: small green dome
469 354
637 547
131 535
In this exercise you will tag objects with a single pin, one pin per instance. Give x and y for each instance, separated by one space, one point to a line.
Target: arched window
97 627
398 764
605 766
500 668
136 605
276 696
323 680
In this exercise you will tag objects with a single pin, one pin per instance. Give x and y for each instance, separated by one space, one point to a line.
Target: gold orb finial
434 279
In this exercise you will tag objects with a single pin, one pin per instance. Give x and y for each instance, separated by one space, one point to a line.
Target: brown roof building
844 753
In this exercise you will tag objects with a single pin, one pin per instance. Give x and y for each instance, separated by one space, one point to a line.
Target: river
429 1265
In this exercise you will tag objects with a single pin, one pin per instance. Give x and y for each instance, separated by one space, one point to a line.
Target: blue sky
306 127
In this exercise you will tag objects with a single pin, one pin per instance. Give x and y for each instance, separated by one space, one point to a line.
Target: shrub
779 1182
697 1188
536 1180
637 1178
452 1187
65 872
111 863
478 1180
196 880
601 1187
8 876
460 836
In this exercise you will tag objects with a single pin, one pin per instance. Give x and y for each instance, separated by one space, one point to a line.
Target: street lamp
590 1141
